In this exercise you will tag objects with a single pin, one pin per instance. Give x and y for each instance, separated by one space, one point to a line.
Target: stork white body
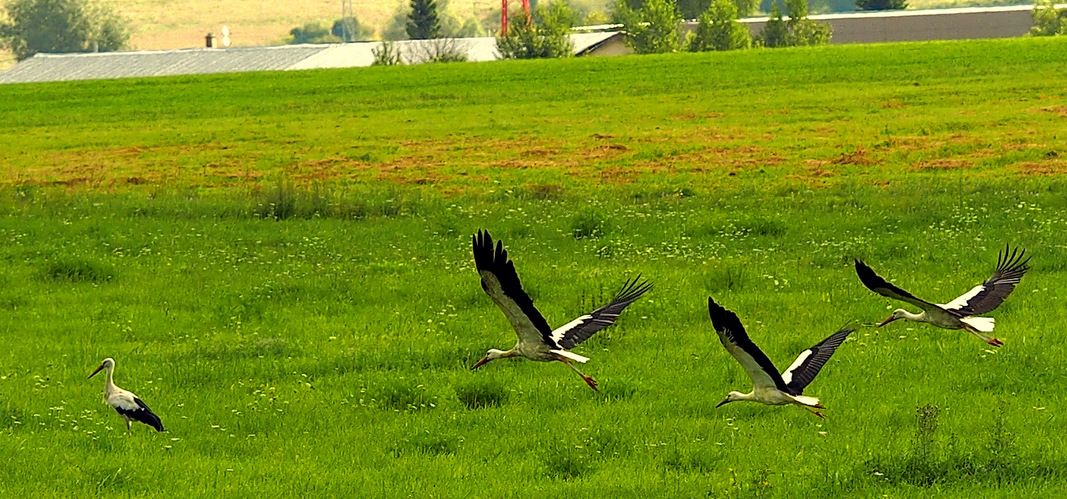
768 387
537 341
962 312
126 403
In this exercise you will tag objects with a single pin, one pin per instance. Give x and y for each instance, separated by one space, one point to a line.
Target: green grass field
280 264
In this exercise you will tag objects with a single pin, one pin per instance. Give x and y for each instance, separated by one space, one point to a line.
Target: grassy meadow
280 265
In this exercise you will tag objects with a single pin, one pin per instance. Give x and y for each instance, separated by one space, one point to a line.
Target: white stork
125 403
959 313
538 341
768 387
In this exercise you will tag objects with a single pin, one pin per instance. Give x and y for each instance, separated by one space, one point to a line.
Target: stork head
108 363
493 354
897 314
732 397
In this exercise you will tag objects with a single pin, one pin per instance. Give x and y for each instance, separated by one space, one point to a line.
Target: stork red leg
588 380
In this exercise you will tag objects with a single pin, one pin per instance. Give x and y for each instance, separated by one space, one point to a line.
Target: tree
652 29
718 29
804 31
423 23
693 9
349 29
775 33
881 4
1047 20
547 35
798 30
60 26
311 33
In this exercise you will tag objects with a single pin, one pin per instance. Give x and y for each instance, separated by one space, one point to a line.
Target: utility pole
347 16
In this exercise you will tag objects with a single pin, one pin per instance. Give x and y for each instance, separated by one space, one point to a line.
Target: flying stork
125 403
959 313
768 387
538 341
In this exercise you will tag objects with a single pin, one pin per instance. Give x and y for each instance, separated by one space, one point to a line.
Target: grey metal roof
57 67
357 54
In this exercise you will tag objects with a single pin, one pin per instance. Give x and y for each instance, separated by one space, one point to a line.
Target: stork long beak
96 371
887 321
720 404
479 363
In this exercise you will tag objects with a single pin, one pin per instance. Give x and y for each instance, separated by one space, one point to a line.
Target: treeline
652 26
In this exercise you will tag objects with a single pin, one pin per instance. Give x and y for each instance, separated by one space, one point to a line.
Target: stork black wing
580 329
733 337
501 283
875 283
142 413
990 294
810 362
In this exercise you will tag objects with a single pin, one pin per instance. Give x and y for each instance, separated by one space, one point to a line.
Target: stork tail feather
573 356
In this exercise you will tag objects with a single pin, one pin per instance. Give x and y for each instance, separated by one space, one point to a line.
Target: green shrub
311 33
652 29
718 29
58 26
881 4
386 54
798 30
1047 20
547 35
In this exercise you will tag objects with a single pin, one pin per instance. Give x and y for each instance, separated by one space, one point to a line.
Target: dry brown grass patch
857 157
942 164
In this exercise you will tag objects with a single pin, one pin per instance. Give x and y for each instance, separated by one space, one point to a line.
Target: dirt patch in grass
816 169
857 157
696 116
942 164
1054 167
604 152
1060 111
325 169
908 143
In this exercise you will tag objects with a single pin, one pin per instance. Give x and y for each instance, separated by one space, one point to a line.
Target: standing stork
959 313
125 403
768 387
538 341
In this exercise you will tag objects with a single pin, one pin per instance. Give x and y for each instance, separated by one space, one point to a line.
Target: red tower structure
504 15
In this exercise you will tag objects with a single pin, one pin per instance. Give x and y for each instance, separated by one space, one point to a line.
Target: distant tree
804 31
546 35
693 9
349 29
775 33
1047 20
311 33
396 28
718 29
455 26
60 26
422 22
469 28
798 30
652 29
881 4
